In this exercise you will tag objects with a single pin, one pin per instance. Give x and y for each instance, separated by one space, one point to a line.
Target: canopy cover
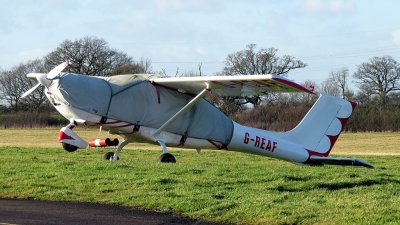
133 99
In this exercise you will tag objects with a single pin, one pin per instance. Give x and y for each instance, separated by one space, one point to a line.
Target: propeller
45 79
30 90
57 70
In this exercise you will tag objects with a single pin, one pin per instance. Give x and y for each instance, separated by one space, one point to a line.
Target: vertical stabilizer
320 128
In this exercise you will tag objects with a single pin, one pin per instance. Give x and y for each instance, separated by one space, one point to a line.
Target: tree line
377 81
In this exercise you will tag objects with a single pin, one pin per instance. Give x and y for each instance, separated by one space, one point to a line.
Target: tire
109 156
69 148
167 158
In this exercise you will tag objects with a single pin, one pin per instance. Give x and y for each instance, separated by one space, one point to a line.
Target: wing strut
184 109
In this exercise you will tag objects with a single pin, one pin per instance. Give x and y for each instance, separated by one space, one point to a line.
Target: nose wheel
69 148
69 140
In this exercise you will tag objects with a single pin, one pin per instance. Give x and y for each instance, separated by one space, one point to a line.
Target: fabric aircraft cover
132 99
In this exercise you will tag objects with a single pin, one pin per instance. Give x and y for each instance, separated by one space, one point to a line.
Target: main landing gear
165 157
113 156
110 156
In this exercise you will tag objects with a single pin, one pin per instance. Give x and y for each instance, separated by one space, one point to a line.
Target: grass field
215 186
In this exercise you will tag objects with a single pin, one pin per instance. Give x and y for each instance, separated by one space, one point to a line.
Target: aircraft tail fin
321 127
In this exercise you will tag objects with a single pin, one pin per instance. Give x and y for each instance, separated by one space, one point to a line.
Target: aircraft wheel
109 156
69 148
167 158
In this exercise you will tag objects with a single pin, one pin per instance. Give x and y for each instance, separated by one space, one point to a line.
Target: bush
30 120
276 116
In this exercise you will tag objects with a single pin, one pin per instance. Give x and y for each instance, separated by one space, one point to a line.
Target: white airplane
173 112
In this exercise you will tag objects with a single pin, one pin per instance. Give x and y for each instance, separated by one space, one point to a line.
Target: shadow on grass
336 186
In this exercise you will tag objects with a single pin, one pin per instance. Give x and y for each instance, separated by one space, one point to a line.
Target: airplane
172 111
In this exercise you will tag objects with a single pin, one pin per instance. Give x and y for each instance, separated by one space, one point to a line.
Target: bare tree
263 61
199 67
11 89
380 76
189 73
89 55
340 78
162 72
140 67
330 87
13 83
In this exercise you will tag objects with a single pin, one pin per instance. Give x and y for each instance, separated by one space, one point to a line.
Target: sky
325 34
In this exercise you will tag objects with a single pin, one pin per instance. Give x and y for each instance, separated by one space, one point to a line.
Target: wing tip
292 84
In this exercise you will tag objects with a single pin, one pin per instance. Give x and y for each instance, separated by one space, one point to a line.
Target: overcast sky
325 34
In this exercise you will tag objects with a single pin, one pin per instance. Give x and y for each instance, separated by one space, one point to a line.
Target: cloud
177 6
396 37
201 51
31 54
328 6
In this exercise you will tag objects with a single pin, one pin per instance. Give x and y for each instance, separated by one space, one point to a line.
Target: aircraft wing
240 85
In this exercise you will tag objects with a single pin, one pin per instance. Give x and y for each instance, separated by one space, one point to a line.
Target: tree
13 83
330 87
263 61
340 78
380 76
140 67
89 55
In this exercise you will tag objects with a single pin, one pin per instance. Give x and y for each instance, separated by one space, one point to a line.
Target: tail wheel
69 148
167 158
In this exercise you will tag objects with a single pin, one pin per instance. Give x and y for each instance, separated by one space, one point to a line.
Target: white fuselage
138 108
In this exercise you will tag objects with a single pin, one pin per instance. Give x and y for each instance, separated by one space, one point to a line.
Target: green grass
214 186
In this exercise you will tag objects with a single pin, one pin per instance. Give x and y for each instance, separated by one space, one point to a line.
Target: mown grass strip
215 186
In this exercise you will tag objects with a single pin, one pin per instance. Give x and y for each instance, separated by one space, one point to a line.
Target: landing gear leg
69 140
113 156
72 124
166 157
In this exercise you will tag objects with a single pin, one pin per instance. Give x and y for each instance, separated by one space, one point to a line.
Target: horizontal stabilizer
338 161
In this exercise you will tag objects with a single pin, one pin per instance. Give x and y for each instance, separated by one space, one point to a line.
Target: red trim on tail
333 140
311 153
343 121
353 104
